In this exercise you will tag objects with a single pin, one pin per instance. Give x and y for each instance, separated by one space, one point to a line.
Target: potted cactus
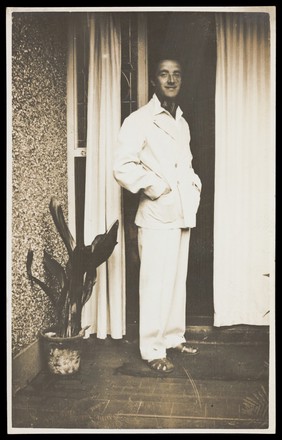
71 289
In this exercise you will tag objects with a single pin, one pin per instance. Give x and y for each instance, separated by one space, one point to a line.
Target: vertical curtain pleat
244 170
105 311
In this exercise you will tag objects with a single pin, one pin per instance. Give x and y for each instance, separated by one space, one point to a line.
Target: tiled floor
224 387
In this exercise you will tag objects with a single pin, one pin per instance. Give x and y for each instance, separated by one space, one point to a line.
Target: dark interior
190 36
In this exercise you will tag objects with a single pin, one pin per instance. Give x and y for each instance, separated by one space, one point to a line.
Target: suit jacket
153 156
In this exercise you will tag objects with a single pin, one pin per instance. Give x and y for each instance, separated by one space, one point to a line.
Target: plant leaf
60 304
78 270
60 223
51 293
46 289
55 269
257 404
29 260
90 280
102 246
96 254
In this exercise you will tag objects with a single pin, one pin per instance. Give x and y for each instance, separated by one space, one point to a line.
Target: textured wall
39 160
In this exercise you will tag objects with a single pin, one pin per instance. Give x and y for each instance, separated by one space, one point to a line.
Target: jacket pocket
190 197
166 208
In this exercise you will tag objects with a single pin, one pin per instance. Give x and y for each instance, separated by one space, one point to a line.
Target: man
154 158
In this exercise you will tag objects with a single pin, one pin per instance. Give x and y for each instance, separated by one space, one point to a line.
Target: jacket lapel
166 124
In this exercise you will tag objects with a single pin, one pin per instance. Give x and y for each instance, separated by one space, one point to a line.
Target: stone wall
39 161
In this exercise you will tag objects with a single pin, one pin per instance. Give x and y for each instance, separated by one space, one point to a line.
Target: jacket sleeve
128 170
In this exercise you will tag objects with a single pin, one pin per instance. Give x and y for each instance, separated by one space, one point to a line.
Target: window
133 94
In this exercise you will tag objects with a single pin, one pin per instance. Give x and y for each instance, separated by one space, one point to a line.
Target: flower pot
62 355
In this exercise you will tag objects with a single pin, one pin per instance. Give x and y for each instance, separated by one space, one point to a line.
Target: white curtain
105 311
244 172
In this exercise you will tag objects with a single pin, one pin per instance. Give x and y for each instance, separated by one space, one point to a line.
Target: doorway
190 36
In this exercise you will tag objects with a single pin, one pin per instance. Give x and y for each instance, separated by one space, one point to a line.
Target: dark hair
157 61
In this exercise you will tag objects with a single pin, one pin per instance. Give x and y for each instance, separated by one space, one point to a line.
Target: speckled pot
62 355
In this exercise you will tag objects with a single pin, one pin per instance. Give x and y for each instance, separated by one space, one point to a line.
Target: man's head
167 79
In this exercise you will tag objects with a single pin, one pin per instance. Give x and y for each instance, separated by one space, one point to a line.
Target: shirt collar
159 109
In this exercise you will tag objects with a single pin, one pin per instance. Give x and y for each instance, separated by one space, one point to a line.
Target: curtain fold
105 311
244 172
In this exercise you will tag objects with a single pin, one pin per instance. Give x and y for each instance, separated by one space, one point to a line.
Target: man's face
167 79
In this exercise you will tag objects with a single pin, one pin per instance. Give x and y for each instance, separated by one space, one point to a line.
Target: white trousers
162 289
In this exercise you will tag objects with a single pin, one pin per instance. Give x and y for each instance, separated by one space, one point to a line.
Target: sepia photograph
141 160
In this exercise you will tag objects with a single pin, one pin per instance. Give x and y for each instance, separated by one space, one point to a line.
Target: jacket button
175 165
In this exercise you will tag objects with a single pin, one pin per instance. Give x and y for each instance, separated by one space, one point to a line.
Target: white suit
153 155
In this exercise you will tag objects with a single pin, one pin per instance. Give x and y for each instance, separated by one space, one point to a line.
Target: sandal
183 348
163 365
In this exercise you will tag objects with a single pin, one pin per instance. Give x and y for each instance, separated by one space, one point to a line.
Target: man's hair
155 64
